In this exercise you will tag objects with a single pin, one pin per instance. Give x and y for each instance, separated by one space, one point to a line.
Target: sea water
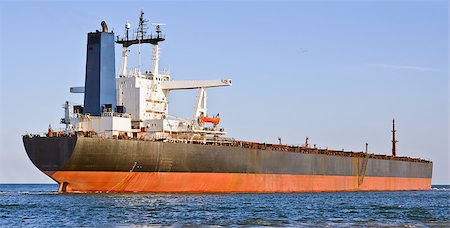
41 205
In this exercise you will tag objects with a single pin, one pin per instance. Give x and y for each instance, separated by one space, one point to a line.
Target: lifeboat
213 120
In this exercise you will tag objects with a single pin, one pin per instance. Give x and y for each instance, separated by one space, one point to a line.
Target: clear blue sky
337 72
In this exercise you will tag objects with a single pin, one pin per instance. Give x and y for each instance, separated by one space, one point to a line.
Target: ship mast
141 38
156 50
394 142
123 65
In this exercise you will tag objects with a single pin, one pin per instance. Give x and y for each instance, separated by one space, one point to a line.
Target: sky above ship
337 72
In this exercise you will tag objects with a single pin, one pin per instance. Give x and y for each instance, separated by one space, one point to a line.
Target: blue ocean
41 205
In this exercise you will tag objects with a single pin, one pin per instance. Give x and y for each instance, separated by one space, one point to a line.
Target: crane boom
195 84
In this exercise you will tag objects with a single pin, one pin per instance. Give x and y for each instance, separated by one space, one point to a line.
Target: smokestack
100 84
104 26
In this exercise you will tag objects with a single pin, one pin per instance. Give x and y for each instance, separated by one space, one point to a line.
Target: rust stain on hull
169 182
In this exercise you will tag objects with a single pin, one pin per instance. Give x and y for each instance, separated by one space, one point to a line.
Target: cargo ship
122 139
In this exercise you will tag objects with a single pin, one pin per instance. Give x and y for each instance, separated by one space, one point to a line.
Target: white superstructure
142 100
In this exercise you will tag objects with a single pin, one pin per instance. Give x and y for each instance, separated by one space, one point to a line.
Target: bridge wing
79 89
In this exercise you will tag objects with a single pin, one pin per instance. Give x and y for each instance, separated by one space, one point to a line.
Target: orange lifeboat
212 120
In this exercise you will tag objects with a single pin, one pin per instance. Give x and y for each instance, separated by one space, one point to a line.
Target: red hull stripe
97 181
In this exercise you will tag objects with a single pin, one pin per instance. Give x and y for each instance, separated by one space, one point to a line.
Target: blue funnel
100 85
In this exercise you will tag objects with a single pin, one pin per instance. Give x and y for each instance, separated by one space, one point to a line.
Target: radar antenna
158 28
127 28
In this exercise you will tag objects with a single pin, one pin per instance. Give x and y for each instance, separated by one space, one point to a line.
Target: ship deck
229 142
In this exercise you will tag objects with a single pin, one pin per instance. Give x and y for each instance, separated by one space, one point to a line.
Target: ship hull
82 164
163 182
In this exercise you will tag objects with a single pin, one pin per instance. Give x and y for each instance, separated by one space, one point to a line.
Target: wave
28 193
440 189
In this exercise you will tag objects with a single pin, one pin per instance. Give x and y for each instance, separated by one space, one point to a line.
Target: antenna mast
155 64
141 36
